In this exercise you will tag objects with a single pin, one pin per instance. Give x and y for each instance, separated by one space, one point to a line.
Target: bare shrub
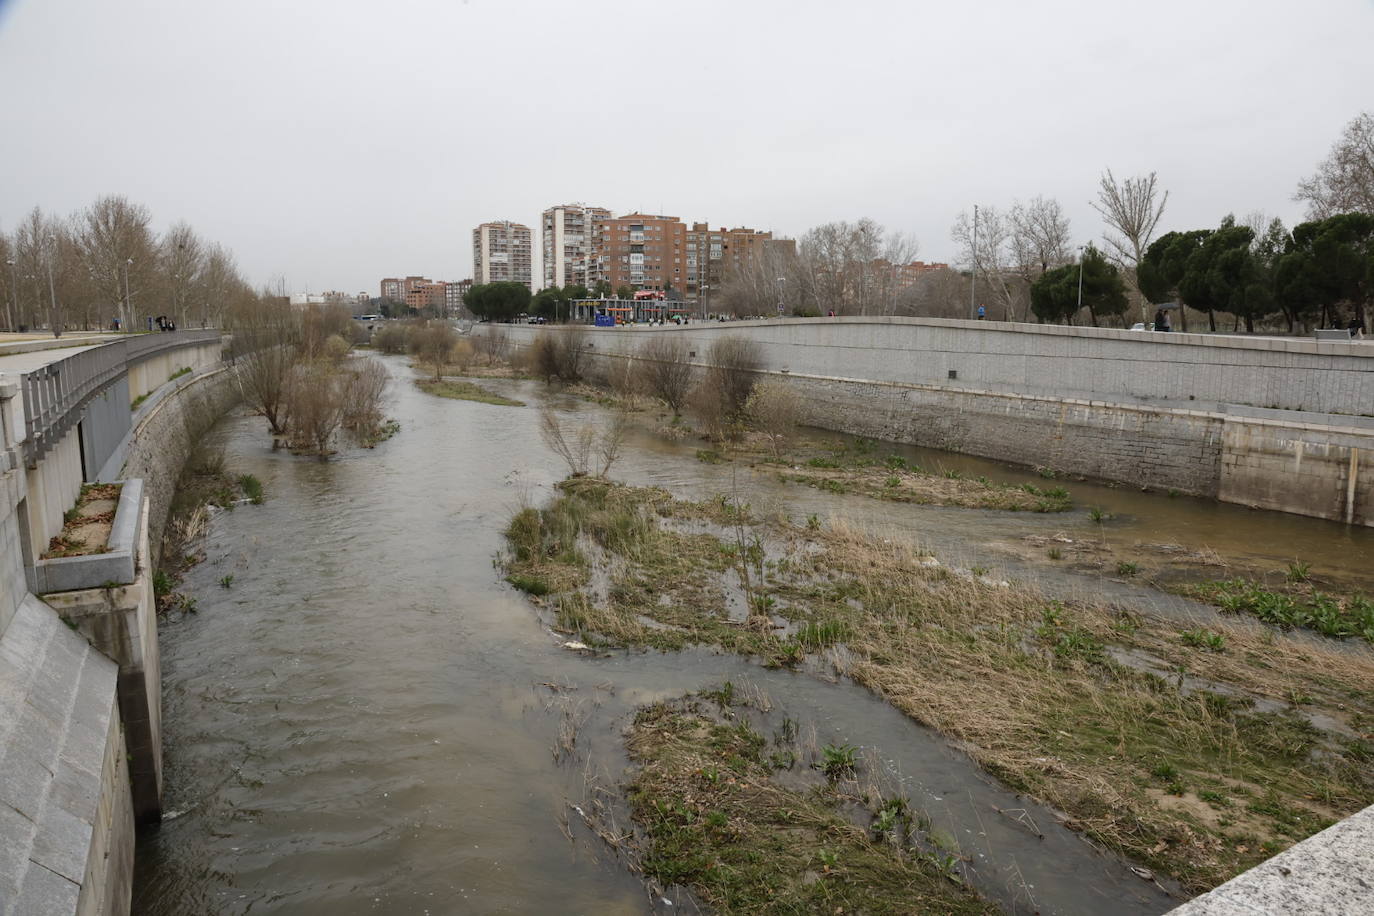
572 352
335 348
321 322
665 370
316 395
462 354
431 343
584 445
364 395
560 354
622 377
720 403
734 364
774 409
392 338
522 361
543 355
493 343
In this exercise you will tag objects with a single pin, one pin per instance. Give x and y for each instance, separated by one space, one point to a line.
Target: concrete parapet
1330 873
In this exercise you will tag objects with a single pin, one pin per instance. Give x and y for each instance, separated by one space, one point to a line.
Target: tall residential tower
566 233
501 251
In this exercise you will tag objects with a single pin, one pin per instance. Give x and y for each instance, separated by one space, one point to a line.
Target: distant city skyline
274 128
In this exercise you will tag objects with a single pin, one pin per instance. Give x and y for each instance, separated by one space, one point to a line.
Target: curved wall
1266 422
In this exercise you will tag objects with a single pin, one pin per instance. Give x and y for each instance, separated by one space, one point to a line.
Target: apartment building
398 288
454 297
641 251
566 234
501 251
906 275
713 256
427 294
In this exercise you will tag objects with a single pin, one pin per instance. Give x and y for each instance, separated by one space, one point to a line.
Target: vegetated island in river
464 391
1092 710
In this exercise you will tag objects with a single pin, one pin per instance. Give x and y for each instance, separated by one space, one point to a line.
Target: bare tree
990 262
118 249
8 285
265 347
181 257
1344 181
364 395
666 370
853 268
316 398
1039 237
1131 215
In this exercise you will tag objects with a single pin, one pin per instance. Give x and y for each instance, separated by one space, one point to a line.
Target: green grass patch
1333 616
718 822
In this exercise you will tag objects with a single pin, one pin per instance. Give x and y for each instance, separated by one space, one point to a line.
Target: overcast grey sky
334 142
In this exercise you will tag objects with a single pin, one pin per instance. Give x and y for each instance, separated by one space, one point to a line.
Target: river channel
361 722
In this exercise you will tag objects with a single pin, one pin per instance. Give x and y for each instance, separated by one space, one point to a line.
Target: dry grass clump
1187 775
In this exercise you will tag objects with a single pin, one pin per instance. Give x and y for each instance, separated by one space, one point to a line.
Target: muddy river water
361 722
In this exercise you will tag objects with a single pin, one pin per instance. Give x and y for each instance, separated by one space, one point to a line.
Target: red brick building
641 251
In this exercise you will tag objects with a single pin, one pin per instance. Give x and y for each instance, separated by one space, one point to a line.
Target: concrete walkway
1330 873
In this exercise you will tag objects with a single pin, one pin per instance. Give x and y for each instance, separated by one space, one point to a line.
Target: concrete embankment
1272 423
80 680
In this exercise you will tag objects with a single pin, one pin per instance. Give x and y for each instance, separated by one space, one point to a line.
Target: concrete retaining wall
164 436
121 622
1079 363
147 375
889 379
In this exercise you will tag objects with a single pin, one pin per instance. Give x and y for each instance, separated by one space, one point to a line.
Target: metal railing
55 394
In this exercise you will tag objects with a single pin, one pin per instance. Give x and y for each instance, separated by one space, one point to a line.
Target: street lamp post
973 271
782 286
1080 278
55 319
11 303
124 319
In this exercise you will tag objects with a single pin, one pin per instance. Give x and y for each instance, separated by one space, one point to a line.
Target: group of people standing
1162 321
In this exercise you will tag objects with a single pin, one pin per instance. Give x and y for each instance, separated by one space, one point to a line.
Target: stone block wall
1163 449
163 440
